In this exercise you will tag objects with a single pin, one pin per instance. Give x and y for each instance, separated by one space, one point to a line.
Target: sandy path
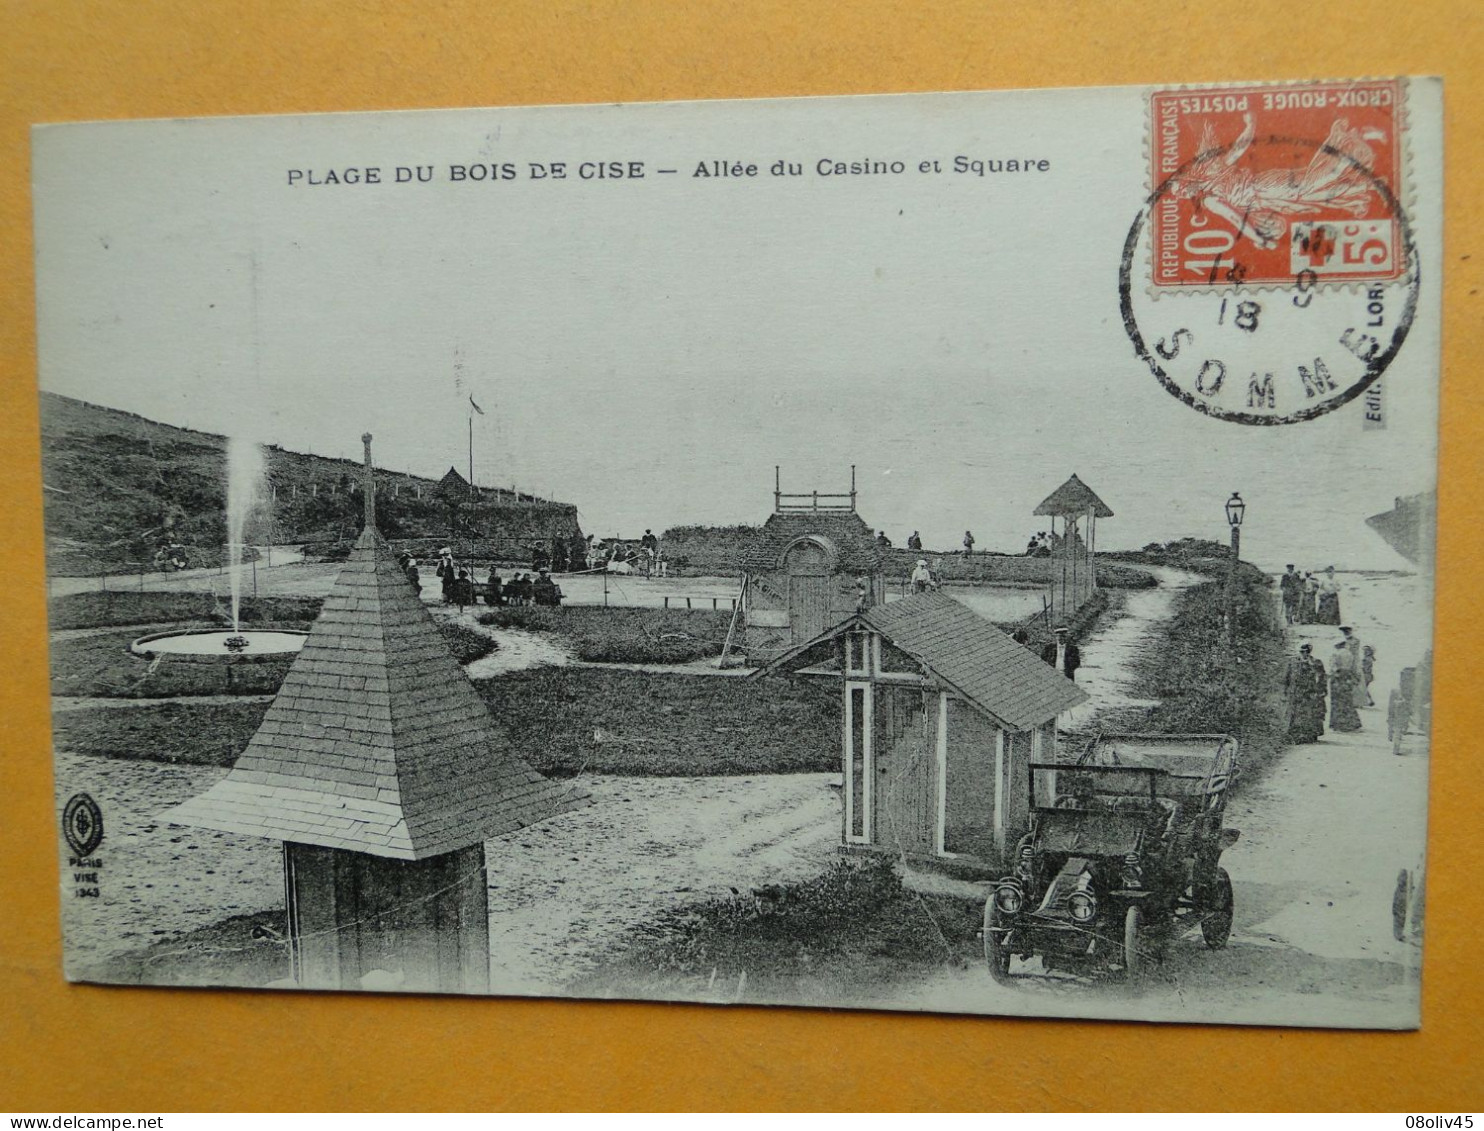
563 893
1108 654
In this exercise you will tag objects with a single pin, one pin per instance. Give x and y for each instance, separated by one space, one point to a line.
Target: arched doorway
808 563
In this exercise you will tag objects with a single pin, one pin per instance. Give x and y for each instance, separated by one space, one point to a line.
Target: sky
650 349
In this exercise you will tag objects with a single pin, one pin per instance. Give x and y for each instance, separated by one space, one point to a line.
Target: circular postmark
82 824
1270 352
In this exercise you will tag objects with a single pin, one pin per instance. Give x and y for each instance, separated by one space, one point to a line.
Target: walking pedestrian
1062 654
1306 684
1292 586
968 543
1368 672
1360 695
1344 676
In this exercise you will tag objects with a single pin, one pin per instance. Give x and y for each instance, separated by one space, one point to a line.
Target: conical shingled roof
1074 497
377 742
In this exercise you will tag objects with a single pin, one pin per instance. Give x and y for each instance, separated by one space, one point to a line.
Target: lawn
121 607
563 721
192 734
623 635
853 930
101 665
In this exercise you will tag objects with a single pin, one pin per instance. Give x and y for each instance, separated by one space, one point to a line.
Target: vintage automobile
1123 855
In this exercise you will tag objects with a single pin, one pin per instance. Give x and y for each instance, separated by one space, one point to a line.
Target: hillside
119 485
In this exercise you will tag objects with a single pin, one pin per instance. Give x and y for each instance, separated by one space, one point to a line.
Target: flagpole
471 452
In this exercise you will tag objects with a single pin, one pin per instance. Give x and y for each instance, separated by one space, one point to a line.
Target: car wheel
1216 925
1132 958
996 954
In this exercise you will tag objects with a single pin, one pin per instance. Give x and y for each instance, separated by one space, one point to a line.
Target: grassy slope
114 480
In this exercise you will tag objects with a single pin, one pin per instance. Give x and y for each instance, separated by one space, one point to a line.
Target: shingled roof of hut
377 742
1003 679
1074 497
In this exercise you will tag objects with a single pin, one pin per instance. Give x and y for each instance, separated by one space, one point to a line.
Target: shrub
831 929
623 635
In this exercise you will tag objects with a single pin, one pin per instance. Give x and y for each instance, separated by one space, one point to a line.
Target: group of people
1310 598
523 588
1040 545
535 587
647 559
914 541
1346 685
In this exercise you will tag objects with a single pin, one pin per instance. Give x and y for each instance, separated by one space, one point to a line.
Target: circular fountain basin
220 646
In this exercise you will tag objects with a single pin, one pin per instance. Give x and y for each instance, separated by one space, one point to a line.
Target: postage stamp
1272 275
1275 184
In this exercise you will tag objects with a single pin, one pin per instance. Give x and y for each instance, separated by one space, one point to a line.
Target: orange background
84 1048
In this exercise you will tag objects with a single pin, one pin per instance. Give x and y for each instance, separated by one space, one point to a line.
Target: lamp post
1235 510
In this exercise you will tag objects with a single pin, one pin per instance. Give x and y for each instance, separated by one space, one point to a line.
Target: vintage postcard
957 552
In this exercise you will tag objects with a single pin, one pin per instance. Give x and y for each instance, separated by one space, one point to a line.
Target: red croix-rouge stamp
1271 275
1270 184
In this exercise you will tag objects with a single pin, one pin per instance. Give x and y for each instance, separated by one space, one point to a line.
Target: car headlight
1008 899
1133 872
1081 906
1026 863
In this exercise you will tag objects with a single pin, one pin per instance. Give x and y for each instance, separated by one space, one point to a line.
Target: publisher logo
82 824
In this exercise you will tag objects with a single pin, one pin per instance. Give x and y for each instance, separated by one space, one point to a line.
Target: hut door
902 756
808 606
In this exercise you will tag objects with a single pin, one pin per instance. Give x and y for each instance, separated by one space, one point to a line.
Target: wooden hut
1073 547
805 570
378 767
942 714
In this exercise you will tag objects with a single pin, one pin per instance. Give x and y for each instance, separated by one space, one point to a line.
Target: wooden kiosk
942 714
1073 563
378 767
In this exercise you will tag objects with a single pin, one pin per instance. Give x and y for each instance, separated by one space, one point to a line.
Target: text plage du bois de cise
709 169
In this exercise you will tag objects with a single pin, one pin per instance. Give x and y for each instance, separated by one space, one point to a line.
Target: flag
474 406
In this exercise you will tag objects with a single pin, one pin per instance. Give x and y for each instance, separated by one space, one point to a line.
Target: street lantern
1235 509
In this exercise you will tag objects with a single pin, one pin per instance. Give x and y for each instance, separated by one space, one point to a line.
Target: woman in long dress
1306 687
1344 678
1329 599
